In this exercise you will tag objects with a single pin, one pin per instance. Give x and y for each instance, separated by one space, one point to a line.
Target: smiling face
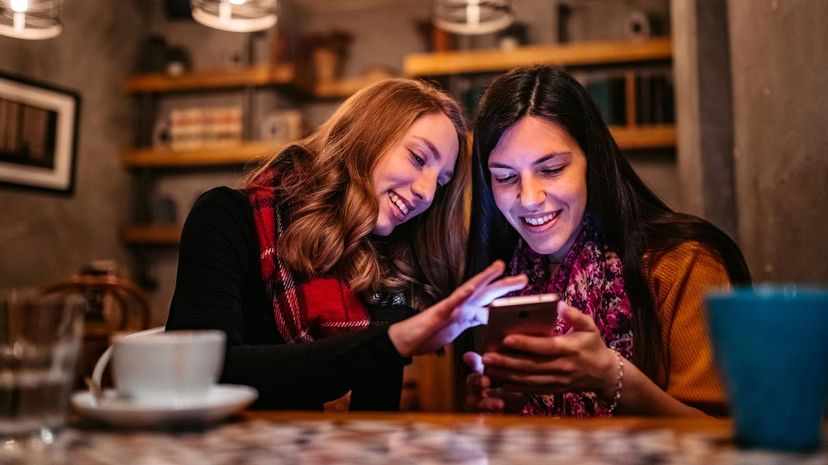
538 175
408 175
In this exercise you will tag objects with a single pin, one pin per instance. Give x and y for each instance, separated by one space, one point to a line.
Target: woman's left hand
439 324
573 362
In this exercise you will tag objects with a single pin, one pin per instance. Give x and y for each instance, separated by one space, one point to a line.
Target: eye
420 161
553 171
507 179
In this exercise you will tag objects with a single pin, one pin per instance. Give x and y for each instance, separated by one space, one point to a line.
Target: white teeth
399 203
540 220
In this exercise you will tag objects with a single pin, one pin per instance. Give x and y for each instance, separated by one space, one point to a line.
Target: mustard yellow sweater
678 282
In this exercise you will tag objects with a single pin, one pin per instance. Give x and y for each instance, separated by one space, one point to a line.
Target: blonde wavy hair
326 184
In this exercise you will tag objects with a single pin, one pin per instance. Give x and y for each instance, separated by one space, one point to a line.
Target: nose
531 194
424 187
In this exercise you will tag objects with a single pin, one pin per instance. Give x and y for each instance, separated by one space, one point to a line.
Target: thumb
576 319
474 361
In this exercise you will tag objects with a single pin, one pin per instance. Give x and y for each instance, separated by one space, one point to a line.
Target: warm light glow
472 17
19 16
225 12
235 15
20 6
473 13
30 19
19 21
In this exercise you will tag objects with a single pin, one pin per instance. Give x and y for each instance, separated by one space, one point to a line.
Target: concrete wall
385 33
701 67
46 236
780 106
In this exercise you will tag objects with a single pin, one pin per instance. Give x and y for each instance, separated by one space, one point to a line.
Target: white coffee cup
167 368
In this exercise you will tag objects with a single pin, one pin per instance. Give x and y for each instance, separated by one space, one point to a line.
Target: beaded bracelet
619 383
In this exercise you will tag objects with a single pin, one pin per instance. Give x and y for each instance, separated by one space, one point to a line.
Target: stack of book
609 97
193 128
655 103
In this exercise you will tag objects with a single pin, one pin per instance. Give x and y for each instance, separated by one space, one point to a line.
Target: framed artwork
38 134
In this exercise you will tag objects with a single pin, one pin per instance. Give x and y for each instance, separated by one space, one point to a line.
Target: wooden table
276 438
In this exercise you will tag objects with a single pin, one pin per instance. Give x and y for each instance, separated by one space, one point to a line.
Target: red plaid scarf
304 309
591 279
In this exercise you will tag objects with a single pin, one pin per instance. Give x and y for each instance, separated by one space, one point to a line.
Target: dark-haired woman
315 269
554 198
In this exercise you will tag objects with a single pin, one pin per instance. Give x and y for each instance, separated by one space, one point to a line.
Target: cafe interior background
721 106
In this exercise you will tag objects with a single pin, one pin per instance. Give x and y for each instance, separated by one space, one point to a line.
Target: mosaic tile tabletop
366 442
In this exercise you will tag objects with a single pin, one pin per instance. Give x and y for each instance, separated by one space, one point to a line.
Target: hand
480 397
573 362
439 324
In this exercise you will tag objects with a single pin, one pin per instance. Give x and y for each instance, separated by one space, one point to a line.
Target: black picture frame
38 134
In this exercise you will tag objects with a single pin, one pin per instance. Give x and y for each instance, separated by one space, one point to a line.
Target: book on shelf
608 94
655 103
198 127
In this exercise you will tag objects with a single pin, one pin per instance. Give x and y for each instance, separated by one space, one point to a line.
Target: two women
315 269
555 199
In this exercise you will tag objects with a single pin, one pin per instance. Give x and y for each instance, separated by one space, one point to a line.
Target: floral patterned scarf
590 279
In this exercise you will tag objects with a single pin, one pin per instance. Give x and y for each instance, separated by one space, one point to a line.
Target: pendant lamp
30 19
235 15
472 17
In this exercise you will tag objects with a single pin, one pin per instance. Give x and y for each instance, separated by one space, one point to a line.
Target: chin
383 230
544 248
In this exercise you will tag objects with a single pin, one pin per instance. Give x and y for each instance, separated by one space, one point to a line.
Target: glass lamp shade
235 15
472 17
30 19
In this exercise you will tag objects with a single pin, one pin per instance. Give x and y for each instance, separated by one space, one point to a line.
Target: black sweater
219 286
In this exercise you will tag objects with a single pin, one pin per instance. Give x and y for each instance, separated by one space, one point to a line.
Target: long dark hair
629 217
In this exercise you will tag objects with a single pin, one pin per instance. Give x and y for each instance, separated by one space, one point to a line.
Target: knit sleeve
219 286
678 282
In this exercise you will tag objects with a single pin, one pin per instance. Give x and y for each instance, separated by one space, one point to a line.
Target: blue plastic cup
771 347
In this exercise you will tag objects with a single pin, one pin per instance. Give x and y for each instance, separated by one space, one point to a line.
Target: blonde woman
317 268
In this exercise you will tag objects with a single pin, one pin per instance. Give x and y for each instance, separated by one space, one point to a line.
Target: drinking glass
40 337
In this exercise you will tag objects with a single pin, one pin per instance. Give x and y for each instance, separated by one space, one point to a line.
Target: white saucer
222 400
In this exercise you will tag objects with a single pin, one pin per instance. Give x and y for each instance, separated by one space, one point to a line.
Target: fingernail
487 359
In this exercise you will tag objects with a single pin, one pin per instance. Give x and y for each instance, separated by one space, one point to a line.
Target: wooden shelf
149 234
583 53
344 88
206 156
645 137
244 77
209 80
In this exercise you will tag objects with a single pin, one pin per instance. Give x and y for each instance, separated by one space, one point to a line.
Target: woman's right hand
481 397
441 323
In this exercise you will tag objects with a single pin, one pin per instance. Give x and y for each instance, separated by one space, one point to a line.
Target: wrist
610 376
613 394
397 335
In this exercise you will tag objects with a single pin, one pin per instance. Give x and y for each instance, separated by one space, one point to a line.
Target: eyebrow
431 147
540 160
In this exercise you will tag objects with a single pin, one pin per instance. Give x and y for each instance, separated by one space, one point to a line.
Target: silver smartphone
534 315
